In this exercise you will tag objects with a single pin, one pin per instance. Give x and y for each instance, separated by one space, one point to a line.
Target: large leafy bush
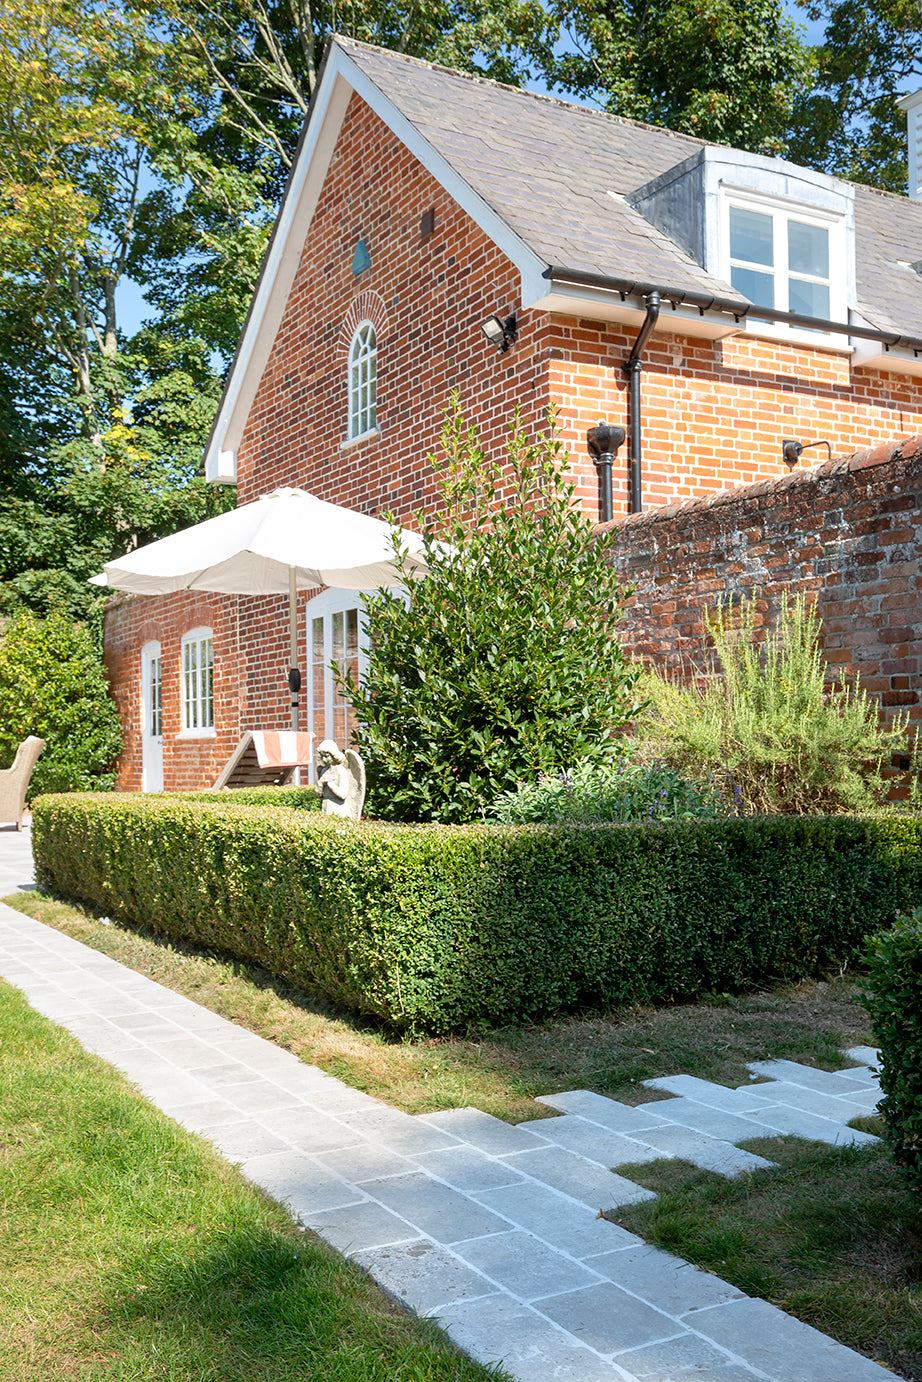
893 998
768 726
588 793
504 661
53 684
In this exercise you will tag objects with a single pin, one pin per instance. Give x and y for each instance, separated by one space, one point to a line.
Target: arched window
363 381
197 671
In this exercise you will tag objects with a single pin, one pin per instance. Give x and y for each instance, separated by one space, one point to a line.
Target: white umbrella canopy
253 550
284 542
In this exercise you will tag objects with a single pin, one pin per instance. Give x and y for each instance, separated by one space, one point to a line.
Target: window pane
808 250
750 236
812 299
757 287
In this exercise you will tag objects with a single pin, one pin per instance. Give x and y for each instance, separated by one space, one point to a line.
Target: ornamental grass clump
587 794
767 726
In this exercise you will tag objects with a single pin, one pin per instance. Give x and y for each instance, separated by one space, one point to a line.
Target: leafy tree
504 661
53 684
849 124
724 70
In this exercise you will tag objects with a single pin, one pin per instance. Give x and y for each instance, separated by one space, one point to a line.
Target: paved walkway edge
490 1228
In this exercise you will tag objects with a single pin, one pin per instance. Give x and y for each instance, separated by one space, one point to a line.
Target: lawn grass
502 1071
130 1252
831 1237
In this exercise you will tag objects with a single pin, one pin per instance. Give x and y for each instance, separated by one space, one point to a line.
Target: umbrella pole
294 676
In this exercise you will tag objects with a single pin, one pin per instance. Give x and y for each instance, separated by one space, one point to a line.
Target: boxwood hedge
893 998
446 927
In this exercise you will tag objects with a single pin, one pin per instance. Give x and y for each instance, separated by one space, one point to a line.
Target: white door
335 633
151 719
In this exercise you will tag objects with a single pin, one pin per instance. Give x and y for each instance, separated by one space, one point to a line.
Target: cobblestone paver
492 1229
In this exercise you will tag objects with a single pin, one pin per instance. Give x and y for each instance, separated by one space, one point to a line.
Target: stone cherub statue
340 781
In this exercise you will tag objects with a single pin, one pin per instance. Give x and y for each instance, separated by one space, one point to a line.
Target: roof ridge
545 97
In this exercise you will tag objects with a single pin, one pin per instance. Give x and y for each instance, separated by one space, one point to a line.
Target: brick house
759 302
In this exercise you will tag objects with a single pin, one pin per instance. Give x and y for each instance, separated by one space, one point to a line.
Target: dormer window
785 257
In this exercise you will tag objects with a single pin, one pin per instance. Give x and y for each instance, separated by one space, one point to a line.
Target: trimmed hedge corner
893 998
441 928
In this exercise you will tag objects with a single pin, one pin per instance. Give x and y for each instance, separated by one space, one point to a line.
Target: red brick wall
848 533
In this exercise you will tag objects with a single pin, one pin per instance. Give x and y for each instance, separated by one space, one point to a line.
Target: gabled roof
547 181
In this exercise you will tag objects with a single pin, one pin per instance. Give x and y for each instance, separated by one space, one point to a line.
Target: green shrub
767 726
297 798
440 928
893 998
587 793
53 684
504 662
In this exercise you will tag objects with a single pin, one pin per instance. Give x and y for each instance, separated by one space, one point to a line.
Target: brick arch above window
366 307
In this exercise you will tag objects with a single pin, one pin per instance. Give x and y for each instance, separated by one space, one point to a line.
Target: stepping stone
482 1130
708 1153
591 1140
521 1264
798 1123
729 1127
608 1112
824 1105
557 1219
667 1282
790 1072
583 1180
740 1101
865 1055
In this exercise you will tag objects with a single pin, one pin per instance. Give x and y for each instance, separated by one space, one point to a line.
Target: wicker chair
14 781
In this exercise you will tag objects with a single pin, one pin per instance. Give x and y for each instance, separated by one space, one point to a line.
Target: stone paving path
490 1227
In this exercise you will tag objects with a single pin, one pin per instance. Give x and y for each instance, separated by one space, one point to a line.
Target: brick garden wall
848 533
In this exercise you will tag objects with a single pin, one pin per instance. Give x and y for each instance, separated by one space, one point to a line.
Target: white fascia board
341 78
603 304
875 355
330 103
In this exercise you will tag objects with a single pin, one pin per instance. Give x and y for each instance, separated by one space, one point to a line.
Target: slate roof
549 169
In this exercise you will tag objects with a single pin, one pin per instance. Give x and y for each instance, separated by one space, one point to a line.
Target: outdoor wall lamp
500 333
791 449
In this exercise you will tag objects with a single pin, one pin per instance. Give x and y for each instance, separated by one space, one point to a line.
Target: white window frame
196 692
362 382
782 211
320 717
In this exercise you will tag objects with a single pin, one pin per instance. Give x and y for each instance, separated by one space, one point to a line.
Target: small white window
197 669
336 634
787 257
363 381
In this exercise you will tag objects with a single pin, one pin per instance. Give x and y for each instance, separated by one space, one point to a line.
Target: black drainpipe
633 366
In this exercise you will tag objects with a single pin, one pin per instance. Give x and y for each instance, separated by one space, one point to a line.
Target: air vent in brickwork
913 108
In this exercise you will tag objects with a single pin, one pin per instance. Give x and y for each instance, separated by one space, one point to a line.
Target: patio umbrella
284 542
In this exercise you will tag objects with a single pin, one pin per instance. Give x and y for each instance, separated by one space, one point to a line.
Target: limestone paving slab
468 1169
424 1276
686 1358
434 1209
525 1267
607 1318
482 1130
557 1219
664 1281
301 1182
840 1107
791 1072
798 1123
592 1141
607 1112
708 1153
502 1330
583 1180
780 1346
745 1100
715 1122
